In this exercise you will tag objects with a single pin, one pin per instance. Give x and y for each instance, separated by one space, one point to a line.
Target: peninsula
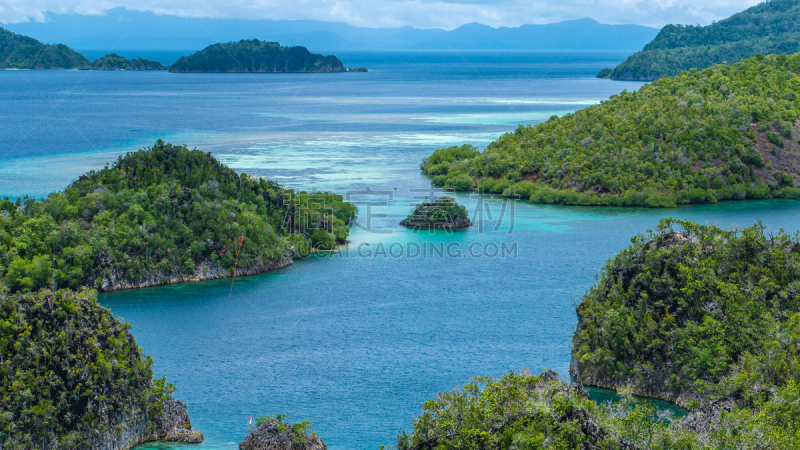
22 52
723 133
769 27
255 56
161 215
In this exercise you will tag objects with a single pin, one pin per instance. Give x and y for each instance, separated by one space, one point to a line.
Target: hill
22 52
723 133
256 56
116 62
72 376
162 215
701 316
132 31
769 27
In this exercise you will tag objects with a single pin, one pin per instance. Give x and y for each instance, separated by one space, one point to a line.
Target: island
22 52
115 62
443 213
164 214
255 56
72 376
769 27
704 317
722 133
274 433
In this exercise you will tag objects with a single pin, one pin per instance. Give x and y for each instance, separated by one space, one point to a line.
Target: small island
255 56
443 213
114 61
272 433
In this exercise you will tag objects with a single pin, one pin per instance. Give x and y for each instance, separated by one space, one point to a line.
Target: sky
447 14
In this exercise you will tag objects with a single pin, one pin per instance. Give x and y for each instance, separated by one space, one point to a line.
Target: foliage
605 73
157 213
443 210
524 412
298 431
69 372
115 62
22 52
769 27
695 315
701 137
256 56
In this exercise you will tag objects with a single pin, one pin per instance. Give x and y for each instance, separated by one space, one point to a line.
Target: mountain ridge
122 29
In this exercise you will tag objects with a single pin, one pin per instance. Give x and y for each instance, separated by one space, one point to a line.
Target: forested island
22 52
72 376
723 133
693 314
769 27
115 62
162 215
255 56
442 212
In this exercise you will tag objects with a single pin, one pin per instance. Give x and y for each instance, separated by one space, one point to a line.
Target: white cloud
393 13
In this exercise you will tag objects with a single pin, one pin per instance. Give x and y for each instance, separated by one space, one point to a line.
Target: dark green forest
693 314
158 214
22 52
71 375
767 28
723 133
115 62
256 56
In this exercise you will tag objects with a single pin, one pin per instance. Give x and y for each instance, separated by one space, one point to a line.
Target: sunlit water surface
352 341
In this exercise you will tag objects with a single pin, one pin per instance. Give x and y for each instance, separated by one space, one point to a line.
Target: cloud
446 14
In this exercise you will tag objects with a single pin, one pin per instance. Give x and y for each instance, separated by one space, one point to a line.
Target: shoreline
200 275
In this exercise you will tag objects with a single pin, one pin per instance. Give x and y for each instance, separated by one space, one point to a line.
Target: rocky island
161 215
723 133
276 434
115 62
255 56
72 376
443 213
22 52
703 317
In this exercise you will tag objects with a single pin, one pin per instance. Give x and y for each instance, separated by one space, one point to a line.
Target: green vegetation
161 214
22 52
116 62
605 73
769 27
704 136
72 376
524 412
443 212
256 56
695 314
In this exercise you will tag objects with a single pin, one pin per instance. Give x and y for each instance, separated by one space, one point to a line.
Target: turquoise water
354 341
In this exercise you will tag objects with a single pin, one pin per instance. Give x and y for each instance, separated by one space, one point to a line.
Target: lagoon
353 341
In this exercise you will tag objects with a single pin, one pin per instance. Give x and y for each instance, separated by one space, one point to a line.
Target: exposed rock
206 271
270 437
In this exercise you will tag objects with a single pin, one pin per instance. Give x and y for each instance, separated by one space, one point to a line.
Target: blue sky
446 14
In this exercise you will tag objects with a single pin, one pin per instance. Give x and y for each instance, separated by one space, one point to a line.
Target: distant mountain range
120 29
769 27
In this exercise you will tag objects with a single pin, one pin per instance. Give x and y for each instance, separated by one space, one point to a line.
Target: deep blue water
355 341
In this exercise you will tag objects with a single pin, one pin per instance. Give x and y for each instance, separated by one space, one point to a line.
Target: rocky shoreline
174 426
204 273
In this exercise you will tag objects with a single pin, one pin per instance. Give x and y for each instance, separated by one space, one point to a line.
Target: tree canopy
256 56
769 27
22 52
723 133
160 213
